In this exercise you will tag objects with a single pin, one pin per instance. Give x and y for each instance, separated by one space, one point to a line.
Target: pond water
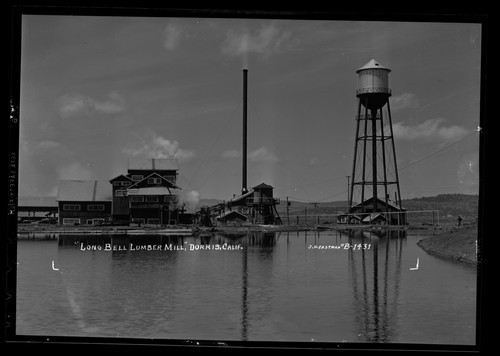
327 286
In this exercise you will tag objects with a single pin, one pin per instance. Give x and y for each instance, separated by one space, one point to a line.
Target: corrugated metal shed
84 190
153 164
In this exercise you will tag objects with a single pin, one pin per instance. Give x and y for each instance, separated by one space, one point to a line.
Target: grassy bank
456 244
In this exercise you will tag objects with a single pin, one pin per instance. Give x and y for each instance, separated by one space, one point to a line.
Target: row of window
78 221
143 221
133 199
137 178
78 207
150 198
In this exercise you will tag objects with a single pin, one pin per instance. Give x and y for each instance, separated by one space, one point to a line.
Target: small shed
375 219
393 214
349 219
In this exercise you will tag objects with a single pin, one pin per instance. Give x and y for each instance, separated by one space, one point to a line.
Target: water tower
374 192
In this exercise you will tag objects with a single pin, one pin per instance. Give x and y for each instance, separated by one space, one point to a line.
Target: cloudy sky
96 91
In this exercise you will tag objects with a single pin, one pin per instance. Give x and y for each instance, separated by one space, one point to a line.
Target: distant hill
447 204
209 202
299 208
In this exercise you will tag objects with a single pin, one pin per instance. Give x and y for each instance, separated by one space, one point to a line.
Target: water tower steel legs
374 157
376 151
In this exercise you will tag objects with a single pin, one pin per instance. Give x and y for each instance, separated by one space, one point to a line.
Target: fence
416 217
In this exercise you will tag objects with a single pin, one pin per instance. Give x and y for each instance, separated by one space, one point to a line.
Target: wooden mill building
258 206
146 194
83 202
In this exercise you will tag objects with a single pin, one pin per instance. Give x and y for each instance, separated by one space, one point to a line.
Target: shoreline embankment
457 244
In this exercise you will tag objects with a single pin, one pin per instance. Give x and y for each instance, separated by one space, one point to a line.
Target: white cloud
314 161
154 146
403 101
73 104
261 154
231 154
268 39
172 36
74 171
430 130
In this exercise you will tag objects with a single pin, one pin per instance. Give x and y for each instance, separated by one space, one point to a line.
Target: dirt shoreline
458 244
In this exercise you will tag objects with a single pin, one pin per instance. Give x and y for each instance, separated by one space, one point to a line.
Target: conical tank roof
373 64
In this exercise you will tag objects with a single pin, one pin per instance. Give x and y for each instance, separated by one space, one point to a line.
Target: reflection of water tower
374 192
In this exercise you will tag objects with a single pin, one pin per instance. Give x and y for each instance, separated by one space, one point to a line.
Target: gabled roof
373 216
157 164
84 190
373 64
379 201
121 177
154 175
263 185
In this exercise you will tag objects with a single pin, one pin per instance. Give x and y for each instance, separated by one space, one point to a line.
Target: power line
436 152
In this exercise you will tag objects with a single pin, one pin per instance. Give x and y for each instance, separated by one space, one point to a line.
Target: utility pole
288 210
348 198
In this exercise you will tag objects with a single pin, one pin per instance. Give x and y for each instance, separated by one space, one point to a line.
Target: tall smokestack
244 168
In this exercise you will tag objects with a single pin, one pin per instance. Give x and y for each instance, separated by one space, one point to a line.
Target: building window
120 193
71 221
137 177
126 183
152 199
93 221
138 220
95 207
154 221
71 207
154 180
117 184
122 183
137 199
170 178
171 200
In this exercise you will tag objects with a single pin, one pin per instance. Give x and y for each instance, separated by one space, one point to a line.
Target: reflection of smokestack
244 170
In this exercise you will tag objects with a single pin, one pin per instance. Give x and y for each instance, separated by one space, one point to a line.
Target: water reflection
244 295
260 244
263 287
375 282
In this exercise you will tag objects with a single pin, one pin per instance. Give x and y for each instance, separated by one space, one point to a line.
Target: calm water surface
298 286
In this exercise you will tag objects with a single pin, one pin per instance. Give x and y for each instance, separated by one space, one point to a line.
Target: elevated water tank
373 84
